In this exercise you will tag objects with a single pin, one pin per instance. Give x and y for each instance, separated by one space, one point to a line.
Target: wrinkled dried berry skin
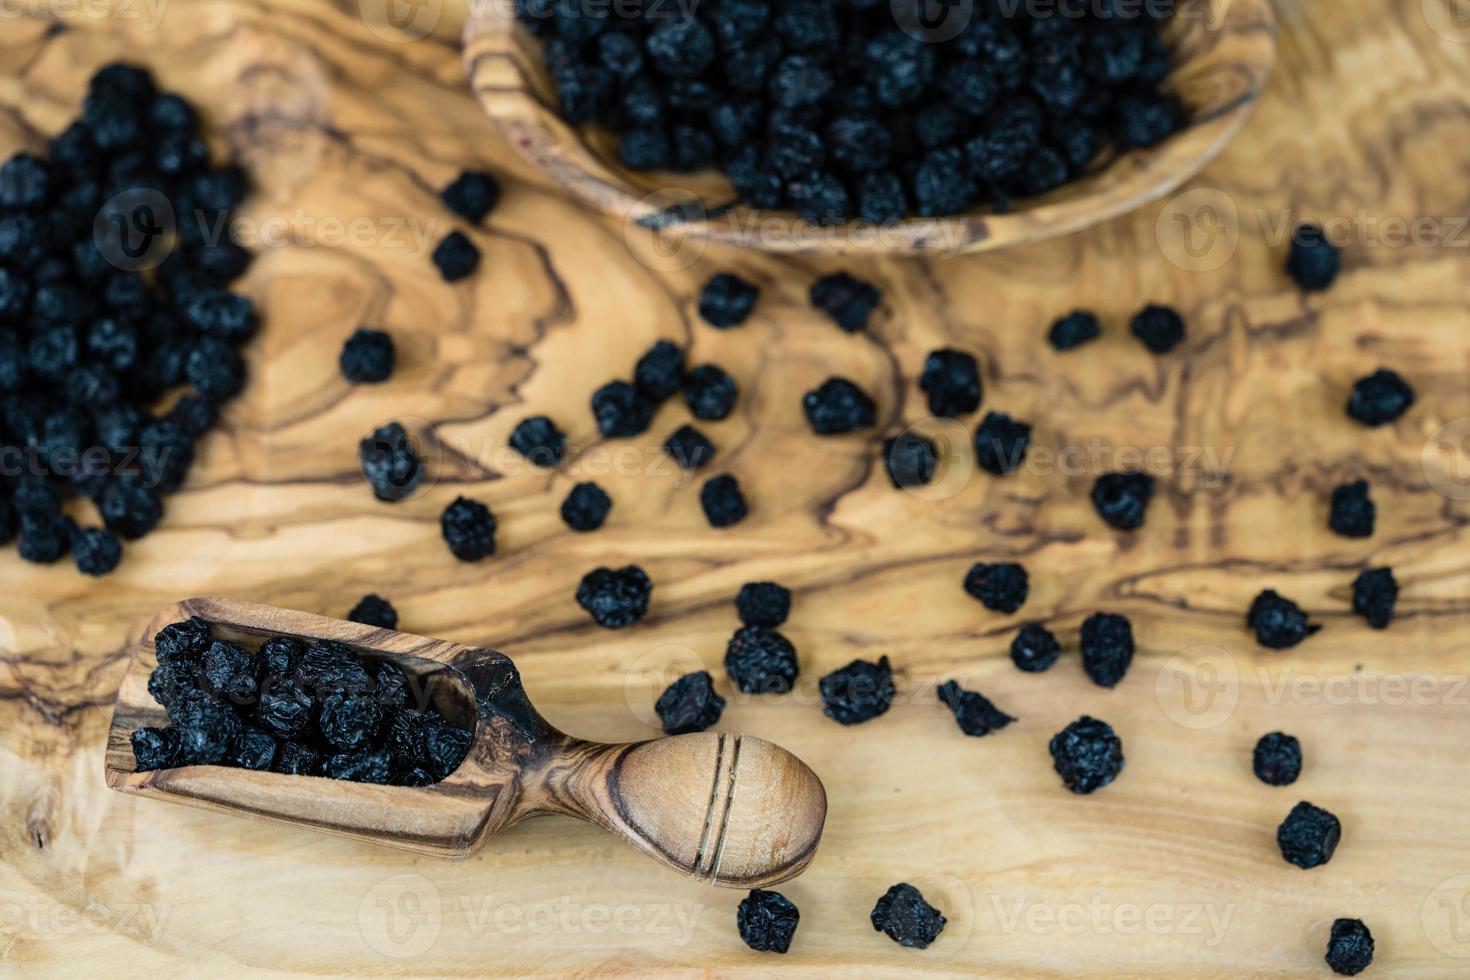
1308 836
1375 592
295 759
1034 648
279 655
1380 398
763 604
445 747
472 195
615 597
910 459
838 407
392 468
903 916
727 300
171 678
1350 947
973 711
207 727
1001 586
690 704
362 766
1107 648
374 610
951 379
1353 512
367 357
1121 499
1278 622
1314 262
1001 443
456 257
254 749
847 300
155 748
229 672
689 448
1277 759
350 721
284 709
468 528
1159 328
183 641
539 440
1087 755
586 507
96 551
722 500
859 692
1073 330
767 921
659 373
621 411
760 661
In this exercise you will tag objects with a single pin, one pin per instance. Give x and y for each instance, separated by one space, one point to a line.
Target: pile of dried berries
863 110
291 707
96 333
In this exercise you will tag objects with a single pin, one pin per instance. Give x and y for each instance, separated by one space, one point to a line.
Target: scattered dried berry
973 711
1314 262
1277 759
710 392
621 411
389 462
615 597
722 501
1121 499
374 610
911 459
689 447
690 704
456 257
767 921
1380 398
1087 754
1001 443
951 379
1350 948
760 661
1073 330
96 551
1308 836
727 300
1375 592
1278 622
1107 648
660 372
903 916
367 356
1160 328
1352 511
586 507
155 748
859 692
472 195
1035 648
539 440
838 406
469 529
1000 586
848 301
763 604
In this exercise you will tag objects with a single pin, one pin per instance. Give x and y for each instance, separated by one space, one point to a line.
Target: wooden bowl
1222 49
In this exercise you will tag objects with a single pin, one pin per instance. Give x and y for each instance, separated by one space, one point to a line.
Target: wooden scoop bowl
738 811
1222 50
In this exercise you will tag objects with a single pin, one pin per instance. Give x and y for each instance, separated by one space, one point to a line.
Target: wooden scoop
735 810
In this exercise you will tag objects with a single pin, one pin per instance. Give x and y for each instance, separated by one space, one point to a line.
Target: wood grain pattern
1223 51
672 798
1169 872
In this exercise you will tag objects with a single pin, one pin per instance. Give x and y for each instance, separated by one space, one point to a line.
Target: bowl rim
503 62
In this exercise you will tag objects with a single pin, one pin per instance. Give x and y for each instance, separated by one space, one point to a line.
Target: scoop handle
735 810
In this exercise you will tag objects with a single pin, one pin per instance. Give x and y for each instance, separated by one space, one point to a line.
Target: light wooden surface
1223 51
1171 871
